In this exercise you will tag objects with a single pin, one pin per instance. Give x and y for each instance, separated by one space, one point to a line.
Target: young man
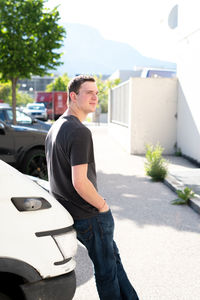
72 176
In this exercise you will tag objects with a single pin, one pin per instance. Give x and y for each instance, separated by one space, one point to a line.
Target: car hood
22 186
35 110
43 124
30 129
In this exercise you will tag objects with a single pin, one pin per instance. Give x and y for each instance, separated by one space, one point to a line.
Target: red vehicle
55 102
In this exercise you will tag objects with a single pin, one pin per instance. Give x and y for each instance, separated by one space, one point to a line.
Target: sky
139 23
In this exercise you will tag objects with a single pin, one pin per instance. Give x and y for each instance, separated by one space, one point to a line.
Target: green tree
29 36
23 98
59 84
66 79
6 94
103 87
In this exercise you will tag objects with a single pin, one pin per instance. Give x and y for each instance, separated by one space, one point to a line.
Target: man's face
87 97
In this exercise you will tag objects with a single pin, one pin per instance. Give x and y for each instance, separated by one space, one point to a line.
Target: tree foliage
23 98
59 84
29 36
5 92
6 95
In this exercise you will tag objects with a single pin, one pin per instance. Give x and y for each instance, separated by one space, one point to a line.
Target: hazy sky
140 23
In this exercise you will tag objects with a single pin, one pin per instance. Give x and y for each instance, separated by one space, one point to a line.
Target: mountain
86 51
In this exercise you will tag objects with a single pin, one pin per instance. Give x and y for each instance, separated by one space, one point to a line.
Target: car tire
35 164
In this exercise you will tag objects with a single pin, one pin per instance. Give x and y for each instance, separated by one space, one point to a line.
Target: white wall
120 131
154 108
188 70
152 115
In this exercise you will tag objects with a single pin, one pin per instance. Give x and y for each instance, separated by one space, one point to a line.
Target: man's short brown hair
76 82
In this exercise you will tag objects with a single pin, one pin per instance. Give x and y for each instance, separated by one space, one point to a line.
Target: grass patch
156 166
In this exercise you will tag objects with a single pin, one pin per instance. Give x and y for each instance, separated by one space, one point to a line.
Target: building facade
164 110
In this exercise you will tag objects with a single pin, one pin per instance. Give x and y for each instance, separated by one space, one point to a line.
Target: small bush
156 165
183 196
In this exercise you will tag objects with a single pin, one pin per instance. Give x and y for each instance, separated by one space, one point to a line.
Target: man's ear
73 96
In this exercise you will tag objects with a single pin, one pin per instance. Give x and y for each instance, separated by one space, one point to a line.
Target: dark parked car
23 148
23 119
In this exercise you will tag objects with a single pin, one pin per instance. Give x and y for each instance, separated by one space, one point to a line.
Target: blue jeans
96 234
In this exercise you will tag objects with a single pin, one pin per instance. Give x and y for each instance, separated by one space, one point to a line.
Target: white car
4 105
36 110
38 241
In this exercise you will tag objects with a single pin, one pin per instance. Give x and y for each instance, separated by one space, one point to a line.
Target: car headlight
30 203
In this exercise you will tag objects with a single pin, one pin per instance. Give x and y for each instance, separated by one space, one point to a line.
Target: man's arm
86 189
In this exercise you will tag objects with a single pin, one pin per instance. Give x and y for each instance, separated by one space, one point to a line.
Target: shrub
183 196
156 165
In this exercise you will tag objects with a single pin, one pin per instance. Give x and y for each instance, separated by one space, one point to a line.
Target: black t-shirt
69 143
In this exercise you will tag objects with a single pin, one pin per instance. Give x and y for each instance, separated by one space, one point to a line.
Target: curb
174 184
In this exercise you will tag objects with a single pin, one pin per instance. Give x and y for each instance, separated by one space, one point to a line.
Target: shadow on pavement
145 202
84 268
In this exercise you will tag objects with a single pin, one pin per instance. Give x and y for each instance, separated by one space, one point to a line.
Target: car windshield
20 117
36 107
2 117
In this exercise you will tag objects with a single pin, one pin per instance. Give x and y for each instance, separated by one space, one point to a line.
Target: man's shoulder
71 127
73 124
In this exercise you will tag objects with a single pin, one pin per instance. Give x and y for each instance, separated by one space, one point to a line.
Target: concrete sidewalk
182 173
159 243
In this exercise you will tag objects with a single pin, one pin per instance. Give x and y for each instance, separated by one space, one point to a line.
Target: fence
119 98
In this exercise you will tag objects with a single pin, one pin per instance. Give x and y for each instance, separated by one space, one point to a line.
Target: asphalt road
159 242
